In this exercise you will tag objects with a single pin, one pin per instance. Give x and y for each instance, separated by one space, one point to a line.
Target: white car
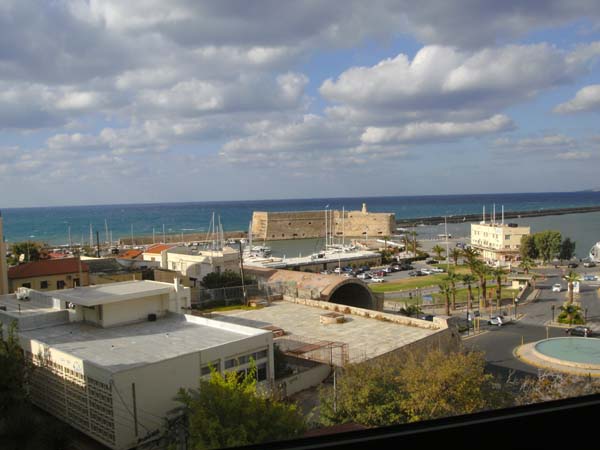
337 270
377 280
436 270
427 271
363 276
556 288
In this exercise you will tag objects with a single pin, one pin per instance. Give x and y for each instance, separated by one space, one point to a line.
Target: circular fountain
574 355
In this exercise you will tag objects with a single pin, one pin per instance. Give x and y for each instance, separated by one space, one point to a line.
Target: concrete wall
134 310
103 278
311 224
306 378
36 282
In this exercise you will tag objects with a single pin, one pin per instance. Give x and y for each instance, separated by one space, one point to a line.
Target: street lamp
552 307
585 316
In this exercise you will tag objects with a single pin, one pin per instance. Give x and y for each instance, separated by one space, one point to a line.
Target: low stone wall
439 323
309 374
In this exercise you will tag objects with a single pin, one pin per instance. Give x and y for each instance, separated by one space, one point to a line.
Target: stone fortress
311 224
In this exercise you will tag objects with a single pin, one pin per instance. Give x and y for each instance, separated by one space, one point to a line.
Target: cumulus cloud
569 156
586 99
446 83
440 131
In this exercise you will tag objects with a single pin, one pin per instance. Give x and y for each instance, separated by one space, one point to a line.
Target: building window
507 237
60 284
261 372
44 284
26 285
206 368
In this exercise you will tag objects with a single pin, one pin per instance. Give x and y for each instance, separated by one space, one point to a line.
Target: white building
194 261
112 357
498 242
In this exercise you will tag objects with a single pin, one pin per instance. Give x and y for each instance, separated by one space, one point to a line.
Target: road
498 343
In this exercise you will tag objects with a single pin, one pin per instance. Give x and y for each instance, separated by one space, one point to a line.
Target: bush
570 314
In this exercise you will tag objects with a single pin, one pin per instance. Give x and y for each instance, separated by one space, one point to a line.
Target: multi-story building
194 262
111 358
498 242
49 274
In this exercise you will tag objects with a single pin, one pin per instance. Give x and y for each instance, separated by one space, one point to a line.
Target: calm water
51 224
581 350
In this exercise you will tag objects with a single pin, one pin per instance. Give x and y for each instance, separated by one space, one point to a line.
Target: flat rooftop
121 348
16 308
112 292
366 338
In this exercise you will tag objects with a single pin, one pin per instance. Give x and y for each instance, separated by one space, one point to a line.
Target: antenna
91 236
106 229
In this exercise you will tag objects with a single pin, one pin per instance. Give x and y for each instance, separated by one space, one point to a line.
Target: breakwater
435 220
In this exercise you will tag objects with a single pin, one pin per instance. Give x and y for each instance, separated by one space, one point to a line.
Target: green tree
446 291
415 245
228 278
528 249
31 251
455 253
527 264
471 255
409 388
228 410
571 278
481 271
23 427
570 313
469 279
438 250
547 244
410 310
498 273
452 278
549 386
567 249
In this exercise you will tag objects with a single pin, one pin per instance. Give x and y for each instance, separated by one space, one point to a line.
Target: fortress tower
3 264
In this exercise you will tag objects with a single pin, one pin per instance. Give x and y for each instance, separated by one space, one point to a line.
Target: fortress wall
311 224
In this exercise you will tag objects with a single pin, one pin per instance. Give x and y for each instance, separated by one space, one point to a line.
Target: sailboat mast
343 226
106 230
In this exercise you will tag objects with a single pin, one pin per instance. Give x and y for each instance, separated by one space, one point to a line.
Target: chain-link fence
327 352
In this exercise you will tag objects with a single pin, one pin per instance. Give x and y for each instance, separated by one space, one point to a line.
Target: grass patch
408 283
231 308
461 295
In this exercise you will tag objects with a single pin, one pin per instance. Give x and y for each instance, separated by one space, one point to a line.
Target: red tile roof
46 267
131 254
157 248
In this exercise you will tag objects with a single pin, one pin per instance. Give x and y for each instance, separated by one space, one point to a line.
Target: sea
52 225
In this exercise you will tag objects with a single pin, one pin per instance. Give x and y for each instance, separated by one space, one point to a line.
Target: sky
105 101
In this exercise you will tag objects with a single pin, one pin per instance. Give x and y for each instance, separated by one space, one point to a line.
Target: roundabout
573 355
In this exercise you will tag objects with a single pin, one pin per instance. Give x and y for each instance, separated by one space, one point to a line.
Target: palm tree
414 241
470 255
527 264
481 271
571 278
452 278
438 250
455 253
469 279
570 312
498 273
446 291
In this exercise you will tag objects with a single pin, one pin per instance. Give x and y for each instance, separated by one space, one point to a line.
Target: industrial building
111 358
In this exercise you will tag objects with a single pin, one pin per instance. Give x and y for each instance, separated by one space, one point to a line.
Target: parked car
426 271
406 267
496 320
428 317
387 269
365 268
572 265
337 270
579 330
380 273
363 276
436 270
350 274
556 287
590 278
415 273
589 264
432 261
396 267
377 279
325 272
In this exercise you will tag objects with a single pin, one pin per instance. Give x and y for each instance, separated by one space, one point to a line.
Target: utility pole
164 237
132 235
98 244
70 241
446 234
